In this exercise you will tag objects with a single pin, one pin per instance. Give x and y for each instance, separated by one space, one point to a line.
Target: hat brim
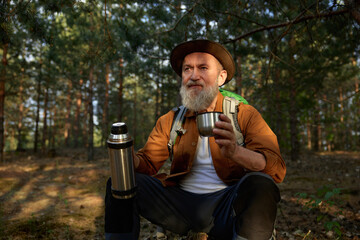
217 50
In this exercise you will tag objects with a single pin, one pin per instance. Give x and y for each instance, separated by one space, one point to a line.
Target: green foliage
325 197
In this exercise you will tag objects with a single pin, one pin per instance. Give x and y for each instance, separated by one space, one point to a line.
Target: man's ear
222 77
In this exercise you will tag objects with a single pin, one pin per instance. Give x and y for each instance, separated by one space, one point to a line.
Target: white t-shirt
202 177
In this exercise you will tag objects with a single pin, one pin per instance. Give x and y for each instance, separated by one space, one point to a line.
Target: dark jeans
246 209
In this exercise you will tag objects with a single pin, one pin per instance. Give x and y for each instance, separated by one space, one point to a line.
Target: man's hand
225 136
226 139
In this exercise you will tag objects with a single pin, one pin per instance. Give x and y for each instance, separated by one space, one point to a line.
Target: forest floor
61 197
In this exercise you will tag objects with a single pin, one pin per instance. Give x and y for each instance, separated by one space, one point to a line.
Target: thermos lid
119 128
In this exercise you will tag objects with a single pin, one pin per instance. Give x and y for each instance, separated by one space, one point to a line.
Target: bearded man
215 185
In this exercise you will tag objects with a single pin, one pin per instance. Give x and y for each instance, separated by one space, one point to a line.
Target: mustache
194 83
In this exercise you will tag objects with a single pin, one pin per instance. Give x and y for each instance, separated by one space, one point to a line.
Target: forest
71 68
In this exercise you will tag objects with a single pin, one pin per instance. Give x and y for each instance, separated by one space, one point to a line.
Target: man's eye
204 68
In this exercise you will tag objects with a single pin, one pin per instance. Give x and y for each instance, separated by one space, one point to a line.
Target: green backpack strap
176 128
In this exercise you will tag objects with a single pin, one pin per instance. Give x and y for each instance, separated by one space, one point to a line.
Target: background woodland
71 68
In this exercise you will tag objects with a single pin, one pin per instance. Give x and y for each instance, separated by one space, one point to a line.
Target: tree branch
354 8
345 99
296 20
279 39
180 19
237 16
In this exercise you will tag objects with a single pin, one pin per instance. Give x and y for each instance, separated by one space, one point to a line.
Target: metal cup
206 123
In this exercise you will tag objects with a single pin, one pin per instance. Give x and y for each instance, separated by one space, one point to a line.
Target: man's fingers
224 123
223 141
223 133
224 118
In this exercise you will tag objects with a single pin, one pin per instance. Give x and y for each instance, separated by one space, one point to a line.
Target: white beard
198 100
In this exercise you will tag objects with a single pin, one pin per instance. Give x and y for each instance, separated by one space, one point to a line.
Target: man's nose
195 75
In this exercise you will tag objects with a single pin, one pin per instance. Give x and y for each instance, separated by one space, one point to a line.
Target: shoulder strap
230 109
176 128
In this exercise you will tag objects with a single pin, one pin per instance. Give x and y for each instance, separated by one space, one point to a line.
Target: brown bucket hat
216 49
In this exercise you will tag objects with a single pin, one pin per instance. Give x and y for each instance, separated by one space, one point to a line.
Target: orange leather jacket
257 137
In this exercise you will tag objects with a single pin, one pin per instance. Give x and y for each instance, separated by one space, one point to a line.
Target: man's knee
259 186
256 206
257 196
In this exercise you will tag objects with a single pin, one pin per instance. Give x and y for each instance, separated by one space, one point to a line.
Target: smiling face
202 74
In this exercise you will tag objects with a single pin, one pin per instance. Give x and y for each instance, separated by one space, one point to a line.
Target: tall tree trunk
238 78
341 99
334 127
342 123
67 115
77 112
327 115
91 115
85 127
158 93
53 129
2 100
315 135
169 95
21 112
37 119
259 79
142 135
308 134
357 125
293 121
121 89
52 126
319 133
106 105
292 105
5 45
279 123
45 135
162 93
135 115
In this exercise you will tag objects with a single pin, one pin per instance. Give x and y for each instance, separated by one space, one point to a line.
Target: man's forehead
200 56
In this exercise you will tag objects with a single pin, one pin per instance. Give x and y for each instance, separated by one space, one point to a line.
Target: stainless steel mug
120 147
206 123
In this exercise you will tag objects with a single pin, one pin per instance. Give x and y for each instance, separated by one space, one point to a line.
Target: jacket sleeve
260 138
155 152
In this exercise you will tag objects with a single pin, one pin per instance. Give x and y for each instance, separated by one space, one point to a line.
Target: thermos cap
119 137
119 128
